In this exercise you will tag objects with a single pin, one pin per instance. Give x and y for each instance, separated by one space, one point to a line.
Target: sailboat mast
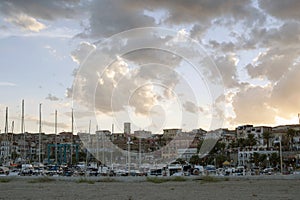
88 145
12 132
72 137
40 131
6 141
111 151
23 129
6 122
97 144
55 127
12 126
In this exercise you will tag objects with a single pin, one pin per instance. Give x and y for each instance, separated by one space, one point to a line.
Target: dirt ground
29 188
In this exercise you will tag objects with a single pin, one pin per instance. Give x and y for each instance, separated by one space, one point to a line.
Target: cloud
251 106
116 17
42 9
191 107
47 123
285 10
281 51
285 96
7 84
227 66
261 105
37 15
84 48
248 27
80 114
273 64
124 15
285 34
52 97
140 79
26 22
59 124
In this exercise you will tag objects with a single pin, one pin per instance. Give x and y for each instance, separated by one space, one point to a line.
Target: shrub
84 180
44 179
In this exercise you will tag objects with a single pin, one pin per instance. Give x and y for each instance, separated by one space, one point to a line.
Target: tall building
127 129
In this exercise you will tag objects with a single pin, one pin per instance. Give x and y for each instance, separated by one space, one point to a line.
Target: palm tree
195 159
274 159
291 133
267 136
251 140
255 159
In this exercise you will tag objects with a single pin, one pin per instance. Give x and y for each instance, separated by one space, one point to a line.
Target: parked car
268 171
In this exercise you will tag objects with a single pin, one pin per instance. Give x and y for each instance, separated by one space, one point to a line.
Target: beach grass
5 180
163 179
85 180
107 180
209 179
44 179
157 180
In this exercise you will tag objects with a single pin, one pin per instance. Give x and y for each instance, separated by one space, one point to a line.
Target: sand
234 188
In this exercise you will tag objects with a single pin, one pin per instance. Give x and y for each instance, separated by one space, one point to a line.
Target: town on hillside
248 149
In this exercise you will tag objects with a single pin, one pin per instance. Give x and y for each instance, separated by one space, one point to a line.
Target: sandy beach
142 188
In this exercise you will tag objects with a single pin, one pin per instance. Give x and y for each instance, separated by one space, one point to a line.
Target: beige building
171 133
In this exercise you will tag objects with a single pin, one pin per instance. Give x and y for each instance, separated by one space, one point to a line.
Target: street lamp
280 152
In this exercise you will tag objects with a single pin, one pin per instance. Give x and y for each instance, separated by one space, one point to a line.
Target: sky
202 64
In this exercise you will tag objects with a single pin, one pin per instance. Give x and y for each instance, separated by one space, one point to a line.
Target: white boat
157 170
175 170
14 172
4 171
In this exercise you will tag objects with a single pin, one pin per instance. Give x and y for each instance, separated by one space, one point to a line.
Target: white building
5 150
257 131
245 156
186 154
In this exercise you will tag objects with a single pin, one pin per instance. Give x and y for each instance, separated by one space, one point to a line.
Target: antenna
299 117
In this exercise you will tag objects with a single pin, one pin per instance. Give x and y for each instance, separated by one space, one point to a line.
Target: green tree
195 159
291 133
233 144
274 159
255 159
218 148
263 160
267 136
250 141
241 142
220 159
